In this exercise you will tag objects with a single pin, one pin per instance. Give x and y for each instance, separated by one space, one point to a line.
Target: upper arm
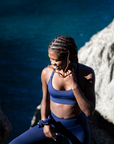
89 90
44 81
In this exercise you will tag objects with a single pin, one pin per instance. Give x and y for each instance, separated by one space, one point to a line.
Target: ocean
26 29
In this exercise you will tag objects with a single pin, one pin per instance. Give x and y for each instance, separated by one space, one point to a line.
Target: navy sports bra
61 96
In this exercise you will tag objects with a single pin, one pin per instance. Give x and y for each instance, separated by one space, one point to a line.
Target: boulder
5 127
98 53
102 132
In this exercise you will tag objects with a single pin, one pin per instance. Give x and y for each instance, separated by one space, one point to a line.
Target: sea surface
26 29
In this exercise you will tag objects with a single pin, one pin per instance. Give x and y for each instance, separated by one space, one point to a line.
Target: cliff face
98 53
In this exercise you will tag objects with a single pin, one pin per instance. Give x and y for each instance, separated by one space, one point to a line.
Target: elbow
90 111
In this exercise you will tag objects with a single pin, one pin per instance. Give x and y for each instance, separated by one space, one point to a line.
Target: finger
54 134
54 137
69 72
67 75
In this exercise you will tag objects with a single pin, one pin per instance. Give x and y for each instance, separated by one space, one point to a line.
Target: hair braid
63 45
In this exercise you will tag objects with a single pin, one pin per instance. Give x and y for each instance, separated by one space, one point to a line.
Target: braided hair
64 46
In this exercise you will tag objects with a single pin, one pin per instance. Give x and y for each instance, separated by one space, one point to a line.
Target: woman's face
58 62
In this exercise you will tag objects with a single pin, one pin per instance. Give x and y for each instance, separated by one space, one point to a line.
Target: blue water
26 29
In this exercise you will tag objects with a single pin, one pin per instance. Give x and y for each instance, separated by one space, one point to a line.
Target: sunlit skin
84 92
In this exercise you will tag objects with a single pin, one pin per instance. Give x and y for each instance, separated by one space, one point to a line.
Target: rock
36 117
5 127
98 53
102 132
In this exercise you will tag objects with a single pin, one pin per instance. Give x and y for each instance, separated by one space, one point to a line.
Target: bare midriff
65 111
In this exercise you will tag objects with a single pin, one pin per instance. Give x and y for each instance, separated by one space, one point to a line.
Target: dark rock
5 127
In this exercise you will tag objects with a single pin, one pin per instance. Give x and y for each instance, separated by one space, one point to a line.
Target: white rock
98 53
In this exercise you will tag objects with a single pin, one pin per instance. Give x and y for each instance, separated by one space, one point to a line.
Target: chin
57 68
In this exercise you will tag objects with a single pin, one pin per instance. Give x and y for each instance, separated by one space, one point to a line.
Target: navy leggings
75 130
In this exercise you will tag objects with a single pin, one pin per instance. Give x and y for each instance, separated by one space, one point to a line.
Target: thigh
75 135
78 132
32 136
69 128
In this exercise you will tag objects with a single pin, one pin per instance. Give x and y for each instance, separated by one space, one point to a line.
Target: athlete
68 97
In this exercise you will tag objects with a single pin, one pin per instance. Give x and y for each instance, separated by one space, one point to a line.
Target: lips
56 67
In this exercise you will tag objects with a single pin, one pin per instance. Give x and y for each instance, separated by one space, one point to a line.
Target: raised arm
85 99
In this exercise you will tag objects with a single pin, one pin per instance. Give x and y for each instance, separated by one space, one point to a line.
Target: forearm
85 105
45 107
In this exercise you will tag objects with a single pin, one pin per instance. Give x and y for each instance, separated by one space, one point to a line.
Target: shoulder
46 73
86 71
85 68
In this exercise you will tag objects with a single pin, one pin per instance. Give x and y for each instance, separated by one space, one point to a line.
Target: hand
49 132
71 79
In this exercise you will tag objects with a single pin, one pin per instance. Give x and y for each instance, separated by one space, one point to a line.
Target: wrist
75 86
43 118
47 121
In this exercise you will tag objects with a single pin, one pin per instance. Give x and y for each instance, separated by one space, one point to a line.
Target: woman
68 97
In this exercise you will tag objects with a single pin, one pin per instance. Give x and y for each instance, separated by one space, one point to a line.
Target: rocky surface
102 132
98 53
5 127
